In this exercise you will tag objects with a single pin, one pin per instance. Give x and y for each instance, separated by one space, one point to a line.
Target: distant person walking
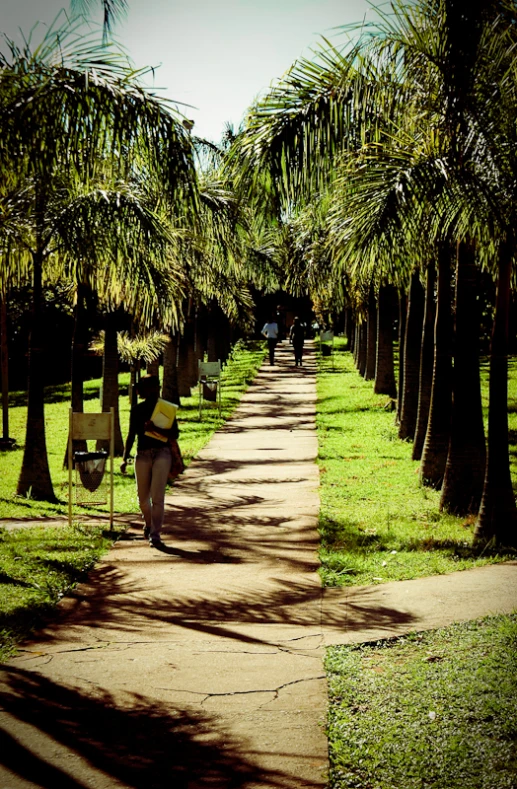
297 337
270 332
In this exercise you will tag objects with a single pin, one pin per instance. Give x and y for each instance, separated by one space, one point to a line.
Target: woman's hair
148 382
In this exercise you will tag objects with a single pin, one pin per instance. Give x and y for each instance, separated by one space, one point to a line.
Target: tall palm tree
64 105
412 354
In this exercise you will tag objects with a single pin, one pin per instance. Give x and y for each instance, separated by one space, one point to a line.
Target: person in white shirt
270 332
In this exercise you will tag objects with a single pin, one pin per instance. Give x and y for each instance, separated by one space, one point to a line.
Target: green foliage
377 522
434 709
237 375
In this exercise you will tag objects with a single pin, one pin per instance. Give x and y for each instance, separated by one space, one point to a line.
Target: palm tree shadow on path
148 744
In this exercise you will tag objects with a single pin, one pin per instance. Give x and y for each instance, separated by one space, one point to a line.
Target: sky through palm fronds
213 57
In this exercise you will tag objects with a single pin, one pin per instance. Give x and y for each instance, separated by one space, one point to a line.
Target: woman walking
153 460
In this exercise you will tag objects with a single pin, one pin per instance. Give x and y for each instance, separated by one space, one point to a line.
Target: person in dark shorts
297 337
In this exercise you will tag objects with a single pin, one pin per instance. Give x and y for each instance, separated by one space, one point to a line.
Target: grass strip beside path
377 522
437 709
38 566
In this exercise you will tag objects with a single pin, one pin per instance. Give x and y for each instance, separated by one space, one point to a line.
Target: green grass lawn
437 709
377 522
39 565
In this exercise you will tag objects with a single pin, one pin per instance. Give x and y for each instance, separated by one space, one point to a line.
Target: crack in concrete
34 656
88 648
274 691
321 636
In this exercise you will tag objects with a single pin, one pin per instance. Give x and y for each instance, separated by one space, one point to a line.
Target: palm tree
13 272
65 105
371 331
412 353
384 369
112 10
436 442
465 469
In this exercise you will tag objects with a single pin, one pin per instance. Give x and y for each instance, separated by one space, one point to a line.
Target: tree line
394 161
107 197
378 173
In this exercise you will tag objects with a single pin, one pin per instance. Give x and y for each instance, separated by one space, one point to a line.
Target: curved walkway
201 666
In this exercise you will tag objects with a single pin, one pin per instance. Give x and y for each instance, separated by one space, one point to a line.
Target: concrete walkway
201 666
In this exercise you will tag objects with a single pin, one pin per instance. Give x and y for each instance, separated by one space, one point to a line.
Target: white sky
216 55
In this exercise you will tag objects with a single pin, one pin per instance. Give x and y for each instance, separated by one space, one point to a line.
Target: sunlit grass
435 709
377 522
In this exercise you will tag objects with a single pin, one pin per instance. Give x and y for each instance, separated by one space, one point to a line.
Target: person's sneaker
147 532
155 541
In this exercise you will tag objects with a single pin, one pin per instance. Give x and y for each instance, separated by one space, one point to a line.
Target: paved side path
201 667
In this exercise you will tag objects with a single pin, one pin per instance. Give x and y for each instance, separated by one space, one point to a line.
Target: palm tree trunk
357 343
412 352
185 356
498 514
170 371
436 444
371 336
110 392
153 368
402 337
363 345
426 363
4 354
223 338
349 328
35 480
212 331
384 368
353 335
465 469
76 373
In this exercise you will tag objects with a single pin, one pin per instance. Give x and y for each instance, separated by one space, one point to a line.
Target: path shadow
94 737
115 608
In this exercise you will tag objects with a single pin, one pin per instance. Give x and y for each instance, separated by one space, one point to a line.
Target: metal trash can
210 391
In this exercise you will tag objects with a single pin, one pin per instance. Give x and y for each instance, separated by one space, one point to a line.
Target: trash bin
91 467
326 350
210 391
